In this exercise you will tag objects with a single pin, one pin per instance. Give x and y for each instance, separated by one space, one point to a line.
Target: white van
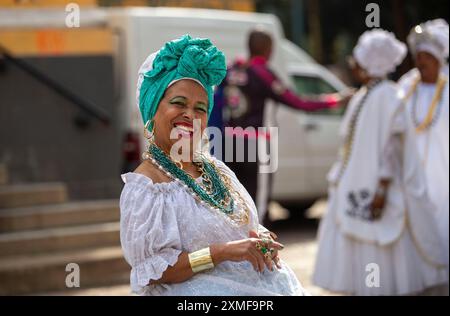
139 31
304 165
303 160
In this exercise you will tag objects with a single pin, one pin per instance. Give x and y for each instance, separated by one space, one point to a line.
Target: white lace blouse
160 221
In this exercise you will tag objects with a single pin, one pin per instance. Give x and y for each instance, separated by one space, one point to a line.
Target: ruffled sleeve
149 231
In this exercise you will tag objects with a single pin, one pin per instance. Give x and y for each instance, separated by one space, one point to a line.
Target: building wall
43 3
238 5
39 139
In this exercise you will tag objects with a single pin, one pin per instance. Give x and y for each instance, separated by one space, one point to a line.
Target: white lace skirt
234 279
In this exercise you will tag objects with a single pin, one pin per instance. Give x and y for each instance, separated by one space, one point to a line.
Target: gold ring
261 247
268 255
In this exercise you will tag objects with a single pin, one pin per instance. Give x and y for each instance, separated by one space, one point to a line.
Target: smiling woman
188 227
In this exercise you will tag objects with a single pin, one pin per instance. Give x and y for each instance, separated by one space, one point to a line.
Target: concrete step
3 174
32 194
59 215
22 275
59 239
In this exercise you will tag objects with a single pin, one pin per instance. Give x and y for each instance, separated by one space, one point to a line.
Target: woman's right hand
244 250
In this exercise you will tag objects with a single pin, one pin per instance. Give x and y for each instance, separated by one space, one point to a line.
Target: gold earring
149 136
147 133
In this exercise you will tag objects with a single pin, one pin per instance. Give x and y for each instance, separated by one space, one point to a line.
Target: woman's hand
378 204
379 200
244 250
268 235
345 96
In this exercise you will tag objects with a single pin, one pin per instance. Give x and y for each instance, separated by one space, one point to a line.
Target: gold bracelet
201 260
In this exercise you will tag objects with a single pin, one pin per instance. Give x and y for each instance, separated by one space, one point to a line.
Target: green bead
219 192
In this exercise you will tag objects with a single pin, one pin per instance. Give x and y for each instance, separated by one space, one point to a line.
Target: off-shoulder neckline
139 177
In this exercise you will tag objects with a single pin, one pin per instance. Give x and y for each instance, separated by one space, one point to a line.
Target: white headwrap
379 52
431 37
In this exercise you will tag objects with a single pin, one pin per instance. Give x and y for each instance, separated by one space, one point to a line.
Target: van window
308 85
312 86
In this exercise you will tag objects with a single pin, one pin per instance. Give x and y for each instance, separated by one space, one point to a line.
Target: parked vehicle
316 133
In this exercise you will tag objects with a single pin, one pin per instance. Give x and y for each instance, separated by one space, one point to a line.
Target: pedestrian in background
248 87
425 90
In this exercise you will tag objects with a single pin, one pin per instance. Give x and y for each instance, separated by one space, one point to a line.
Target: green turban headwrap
187 57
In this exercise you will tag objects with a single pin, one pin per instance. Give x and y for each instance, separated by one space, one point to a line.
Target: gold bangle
201 260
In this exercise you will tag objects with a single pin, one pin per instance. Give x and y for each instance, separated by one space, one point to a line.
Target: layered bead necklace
349 139
215 189
435 108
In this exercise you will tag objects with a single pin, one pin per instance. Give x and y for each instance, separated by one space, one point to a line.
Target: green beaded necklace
213 191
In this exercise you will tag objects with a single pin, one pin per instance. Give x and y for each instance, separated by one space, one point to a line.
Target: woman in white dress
378 236
426 91
188 227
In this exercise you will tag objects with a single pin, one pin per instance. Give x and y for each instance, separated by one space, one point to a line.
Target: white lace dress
160 221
